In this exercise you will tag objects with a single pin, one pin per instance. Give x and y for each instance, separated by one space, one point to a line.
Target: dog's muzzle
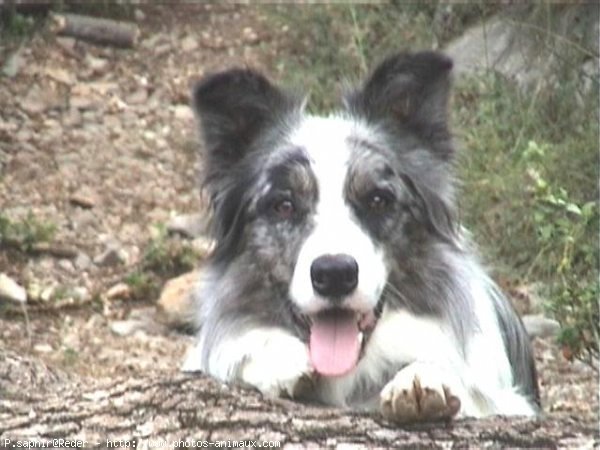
337 331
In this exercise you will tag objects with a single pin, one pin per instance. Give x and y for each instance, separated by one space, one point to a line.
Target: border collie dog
341 274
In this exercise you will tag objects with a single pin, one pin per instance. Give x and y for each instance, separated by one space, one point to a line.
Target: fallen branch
38 403
95 30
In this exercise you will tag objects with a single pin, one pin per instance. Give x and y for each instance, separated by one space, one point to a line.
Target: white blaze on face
336 231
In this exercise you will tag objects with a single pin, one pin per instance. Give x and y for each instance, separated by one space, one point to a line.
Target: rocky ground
98 143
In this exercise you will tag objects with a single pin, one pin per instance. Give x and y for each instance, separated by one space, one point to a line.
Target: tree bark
176 410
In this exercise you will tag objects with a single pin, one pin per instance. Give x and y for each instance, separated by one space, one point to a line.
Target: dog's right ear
233 107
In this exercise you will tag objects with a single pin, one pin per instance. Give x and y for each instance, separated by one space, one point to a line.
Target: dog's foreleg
278 365
425 391
422 392
269 359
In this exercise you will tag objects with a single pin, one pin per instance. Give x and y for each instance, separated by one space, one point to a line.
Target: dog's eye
379 201
284 208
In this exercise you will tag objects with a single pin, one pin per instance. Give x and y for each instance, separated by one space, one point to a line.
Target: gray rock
539 326
496 45
524 50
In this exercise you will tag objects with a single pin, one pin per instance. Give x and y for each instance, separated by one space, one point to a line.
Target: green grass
164 258
530 172
15 26
25 233
330 45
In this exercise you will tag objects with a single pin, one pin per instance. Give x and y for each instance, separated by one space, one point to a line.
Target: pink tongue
334 345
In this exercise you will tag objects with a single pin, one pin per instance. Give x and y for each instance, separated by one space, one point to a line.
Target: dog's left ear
409 91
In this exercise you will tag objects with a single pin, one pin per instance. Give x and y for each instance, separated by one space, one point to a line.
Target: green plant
14 25
143 285
168 257
564 232
70 356
529 168
25 233
163 258
120 10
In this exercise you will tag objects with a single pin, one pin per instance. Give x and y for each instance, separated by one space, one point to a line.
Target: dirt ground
100 143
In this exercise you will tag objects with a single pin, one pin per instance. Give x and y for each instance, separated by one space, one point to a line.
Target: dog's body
340 273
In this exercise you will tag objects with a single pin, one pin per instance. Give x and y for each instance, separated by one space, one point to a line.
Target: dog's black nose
334 275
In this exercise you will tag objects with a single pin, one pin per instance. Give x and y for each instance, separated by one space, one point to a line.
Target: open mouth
337 338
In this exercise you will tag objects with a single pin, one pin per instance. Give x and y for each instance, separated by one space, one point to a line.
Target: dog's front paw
418 394
281 368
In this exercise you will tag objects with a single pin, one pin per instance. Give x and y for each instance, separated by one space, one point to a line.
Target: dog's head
324 209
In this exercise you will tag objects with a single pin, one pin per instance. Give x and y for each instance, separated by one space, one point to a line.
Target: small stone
125 327
95 396
138 97
149 135
112 256
203 246
96 64
84 199
539 326
34 291
189 43
80 294
188 225
82 219
66 265
11 290
139 15
66 43
183 112
60 75
13 64
108 257
47 293
176 303
82 102
250 36
43 348
33 104
119 291
82 261
72 118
